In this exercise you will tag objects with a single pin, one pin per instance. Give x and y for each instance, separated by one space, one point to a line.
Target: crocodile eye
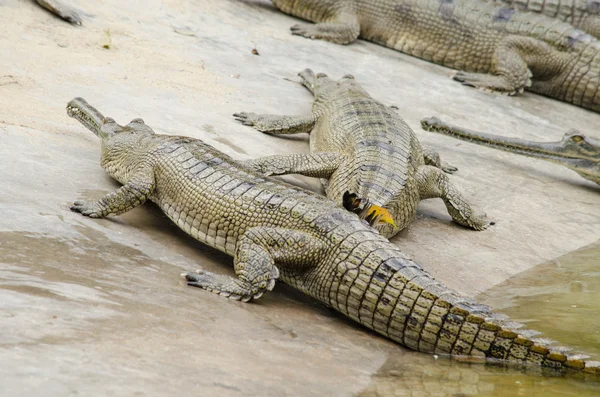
577 138
319 75
348 76
138 120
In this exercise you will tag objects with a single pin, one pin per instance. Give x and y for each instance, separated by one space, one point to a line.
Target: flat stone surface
97 307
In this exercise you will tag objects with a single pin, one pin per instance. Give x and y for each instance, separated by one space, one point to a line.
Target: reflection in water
560 298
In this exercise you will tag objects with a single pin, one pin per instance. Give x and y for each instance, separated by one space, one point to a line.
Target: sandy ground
96 307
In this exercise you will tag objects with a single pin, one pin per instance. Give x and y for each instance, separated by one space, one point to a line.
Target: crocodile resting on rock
582 14
61 10
360 146
576 151
493 46
277 231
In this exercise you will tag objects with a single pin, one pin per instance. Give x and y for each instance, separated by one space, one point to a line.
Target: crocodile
582 14
492 46
575 151
360 146
64 12
275 231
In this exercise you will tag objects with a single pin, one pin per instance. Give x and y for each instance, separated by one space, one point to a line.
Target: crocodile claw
86 208
245 118
303 30
231 288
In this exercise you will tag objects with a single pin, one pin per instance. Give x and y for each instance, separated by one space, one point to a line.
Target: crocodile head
117 140
103 127
575 151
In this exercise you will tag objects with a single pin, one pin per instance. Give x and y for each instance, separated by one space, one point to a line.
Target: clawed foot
246 118
490 83
87 208
64 12
232 288
448 169
258 167
479 222
307 31
70 16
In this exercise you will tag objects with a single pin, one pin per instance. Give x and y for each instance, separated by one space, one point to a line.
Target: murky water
77 311
560 298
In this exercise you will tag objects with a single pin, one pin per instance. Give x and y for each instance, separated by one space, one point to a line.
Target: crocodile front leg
316 165
273 124
432 158
57 8
126 198
260 252
512 64
433 183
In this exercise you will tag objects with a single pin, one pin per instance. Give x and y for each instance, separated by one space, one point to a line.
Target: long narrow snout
86 114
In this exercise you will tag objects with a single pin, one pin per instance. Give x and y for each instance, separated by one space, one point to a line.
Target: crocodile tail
405 303
373 214
491 336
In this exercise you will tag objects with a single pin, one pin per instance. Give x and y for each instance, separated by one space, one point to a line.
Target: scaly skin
61 10
583 14
361 146
276 231
576 151
494 47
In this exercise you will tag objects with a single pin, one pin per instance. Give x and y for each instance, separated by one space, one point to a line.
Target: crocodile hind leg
316 165
432 158
127 197
341 28
57 8
433 183
260 254
273 124
512 64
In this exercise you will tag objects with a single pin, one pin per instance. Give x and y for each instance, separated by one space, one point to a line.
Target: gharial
368 157
493 46
575 151
277 231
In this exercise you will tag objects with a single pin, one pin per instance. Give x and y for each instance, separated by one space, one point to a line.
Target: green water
560 298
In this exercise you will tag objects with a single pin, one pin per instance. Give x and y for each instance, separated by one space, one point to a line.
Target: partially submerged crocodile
575 151
58 8
495 47
360 146
583 14
277 231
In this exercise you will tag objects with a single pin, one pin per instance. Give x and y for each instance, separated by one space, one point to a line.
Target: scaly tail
395 297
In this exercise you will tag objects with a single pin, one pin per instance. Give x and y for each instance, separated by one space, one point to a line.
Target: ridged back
382 152
215 200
